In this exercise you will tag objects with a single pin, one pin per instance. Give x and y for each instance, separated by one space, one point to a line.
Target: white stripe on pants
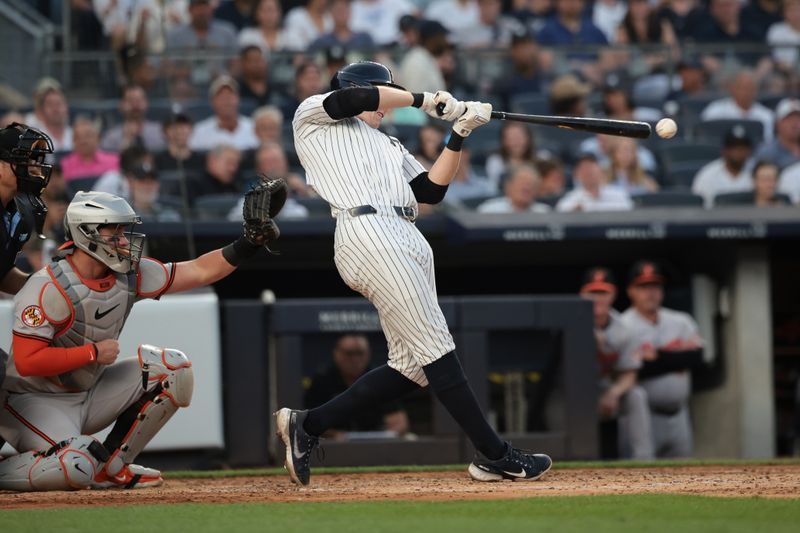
385 258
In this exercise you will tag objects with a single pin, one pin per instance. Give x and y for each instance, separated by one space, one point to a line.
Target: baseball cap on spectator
143 170
645 273
195 2
567 87
690 63
431 28
786 107
585 156
598 279
408 22
522 36
177 118
736 136
221 82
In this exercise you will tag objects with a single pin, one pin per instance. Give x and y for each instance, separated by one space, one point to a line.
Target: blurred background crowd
178 102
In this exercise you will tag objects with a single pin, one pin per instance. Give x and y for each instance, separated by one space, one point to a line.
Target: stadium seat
485 139
81 184
714 130
733 199
474 202
682 175
550 200
667 199
215 206
198 110
681 152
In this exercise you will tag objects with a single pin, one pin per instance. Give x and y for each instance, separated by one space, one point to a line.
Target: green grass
651 513
559 465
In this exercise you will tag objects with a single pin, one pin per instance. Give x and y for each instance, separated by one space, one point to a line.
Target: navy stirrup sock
376 386
447 379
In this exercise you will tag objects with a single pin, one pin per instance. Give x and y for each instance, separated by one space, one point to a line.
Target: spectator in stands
309 22
742 103
307 82
430 141
784 149
625 171
607 15
554 180
493 30
419 70
222 168
271 160
568 95
525 76
202 32
468 182
693 78
685 16
269 34
226 125
784 37
759 15
178 154
51 114
789 183
87 27
533 13
521 190
765 186
238 13
141 24
724 24
517 148
341 34
351 360
617 104
135 128
254 84
10 117
87 160
619 361
570 26
729 173
669 345
455 15
268 122
590 194
380 18
601 146
643 25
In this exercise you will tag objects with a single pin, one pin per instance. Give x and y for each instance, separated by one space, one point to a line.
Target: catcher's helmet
363 74
26 150
90 211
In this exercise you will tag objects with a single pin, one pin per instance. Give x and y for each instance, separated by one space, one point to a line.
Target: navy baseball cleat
299 444
516 465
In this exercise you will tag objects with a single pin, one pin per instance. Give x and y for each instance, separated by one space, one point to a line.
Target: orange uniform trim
30 426
64 325
103 284
36 357
156 294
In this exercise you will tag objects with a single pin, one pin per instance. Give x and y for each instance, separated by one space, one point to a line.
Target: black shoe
516 465
299 444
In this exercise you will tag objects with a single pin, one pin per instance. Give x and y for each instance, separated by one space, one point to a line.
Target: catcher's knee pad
169 367
69 465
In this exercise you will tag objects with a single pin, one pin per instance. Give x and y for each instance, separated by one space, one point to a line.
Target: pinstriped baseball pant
386 259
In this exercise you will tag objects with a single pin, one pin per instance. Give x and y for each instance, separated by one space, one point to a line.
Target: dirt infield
771 481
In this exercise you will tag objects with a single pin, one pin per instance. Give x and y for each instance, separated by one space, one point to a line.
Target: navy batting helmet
363 74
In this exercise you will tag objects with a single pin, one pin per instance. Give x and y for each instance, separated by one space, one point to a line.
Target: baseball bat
620 128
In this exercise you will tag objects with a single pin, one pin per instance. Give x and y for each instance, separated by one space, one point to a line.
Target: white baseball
666 128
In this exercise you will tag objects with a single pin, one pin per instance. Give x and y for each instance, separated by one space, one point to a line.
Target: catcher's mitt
262 204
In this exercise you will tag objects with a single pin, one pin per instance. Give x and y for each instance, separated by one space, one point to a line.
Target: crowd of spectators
204 95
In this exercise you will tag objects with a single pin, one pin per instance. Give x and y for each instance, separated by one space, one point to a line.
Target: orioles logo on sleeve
33 316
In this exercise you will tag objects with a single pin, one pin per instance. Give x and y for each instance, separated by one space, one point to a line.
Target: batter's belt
409 213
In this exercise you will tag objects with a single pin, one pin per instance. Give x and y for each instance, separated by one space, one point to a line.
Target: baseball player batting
373 186
63 378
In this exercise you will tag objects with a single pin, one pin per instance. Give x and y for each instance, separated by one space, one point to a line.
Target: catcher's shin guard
69 465
137 425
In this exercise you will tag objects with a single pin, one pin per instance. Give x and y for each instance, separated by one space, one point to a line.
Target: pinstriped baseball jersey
382 256
56 305
348 163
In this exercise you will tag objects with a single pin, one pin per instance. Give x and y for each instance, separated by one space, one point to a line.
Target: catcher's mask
101 225
26 149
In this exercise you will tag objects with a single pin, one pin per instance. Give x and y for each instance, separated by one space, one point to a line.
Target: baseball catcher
65 381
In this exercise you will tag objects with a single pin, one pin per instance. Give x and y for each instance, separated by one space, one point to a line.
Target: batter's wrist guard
239 251
455 141
419 99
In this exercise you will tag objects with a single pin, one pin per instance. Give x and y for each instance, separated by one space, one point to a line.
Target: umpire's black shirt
9 246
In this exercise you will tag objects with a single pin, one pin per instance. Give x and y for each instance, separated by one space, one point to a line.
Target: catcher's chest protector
97 314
